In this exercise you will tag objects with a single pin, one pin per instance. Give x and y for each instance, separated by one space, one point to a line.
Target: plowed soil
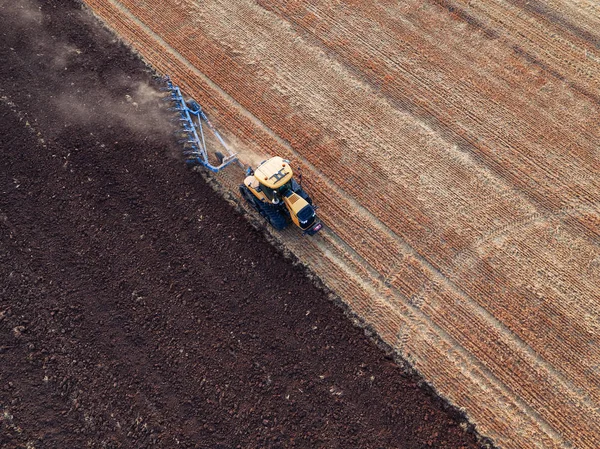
453 149
137 308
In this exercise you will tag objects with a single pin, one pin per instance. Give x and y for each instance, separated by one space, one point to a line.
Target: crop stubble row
426 68
237 47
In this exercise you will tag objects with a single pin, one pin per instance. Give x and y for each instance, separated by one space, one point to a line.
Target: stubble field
453 149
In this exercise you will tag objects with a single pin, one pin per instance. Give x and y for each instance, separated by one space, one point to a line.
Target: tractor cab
275 178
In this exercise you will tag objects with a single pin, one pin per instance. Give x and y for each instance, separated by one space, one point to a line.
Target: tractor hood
302 213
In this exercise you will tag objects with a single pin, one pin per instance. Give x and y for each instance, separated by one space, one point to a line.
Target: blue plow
192 118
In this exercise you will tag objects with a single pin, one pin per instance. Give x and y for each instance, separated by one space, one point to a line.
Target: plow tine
191 134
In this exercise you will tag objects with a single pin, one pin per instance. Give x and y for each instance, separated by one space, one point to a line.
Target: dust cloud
140 108
247 155
124 103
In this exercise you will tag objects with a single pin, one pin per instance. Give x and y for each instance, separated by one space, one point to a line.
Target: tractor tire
273 216
247 195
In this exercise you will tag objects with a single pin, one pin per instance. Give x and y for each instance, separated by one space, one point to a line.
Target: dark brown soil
139 309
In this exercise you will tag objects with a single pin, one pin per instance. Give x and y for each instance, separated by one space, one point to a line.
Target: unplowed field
453 149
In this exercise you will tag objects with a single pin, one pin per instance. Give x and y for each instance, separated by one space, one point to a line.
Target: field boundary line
376 291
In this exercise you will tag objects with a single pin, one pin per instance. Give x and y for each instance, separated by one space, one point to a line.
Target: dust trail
121 102
139 108
136 106
26 12
29 31
251 155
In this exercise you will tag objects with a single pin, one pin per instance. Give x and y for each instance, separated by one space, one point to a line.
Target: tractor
270 188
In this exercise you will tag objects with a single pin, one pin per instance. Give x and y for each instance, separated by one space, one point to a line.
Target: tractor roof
274 172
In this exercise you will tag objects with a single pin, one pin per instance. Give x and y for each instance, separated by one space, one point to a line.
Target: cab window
268 192
285 188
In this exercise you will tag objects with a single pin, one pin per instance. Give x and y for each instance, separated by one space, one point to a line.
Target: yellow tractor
272 190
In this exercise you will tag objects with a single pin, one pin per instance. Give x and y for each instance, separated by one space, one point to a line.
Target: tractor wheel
273 216
270 213
247 195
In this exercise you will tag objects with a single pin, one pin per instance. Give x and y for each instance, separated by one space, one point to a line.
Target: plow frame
191 118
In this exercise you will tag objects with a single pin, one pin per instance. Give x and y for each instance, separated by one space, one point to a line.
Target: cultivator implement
191 117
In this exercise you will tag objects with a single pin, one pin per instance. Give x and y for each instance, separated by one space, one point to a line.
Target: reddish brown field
453 149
